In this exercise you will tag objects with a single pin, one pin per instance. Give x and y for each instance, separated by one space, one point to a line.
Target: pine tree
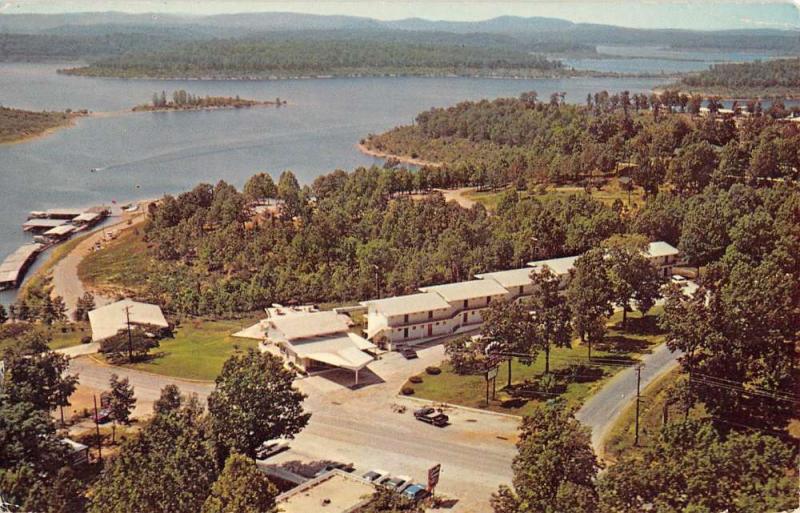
121 402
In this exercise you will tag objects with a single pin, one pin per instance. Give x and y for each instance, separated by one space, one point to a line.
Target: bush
433 371
407 391
415 379
86 339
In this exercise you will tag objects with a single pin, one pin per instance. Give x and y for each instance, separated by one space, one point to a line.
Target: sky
690 14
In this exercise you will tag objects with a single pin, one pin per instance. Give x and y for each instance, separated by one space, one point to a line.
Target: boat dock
13 268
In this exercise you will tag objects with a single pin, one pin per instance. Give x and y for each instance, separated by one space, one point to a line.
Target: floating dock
13 268
56 213
39 224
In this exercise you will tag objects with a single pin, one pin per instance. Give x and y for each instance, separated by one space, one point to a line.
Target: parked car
414 492
375 475
344 467
677 278
408 353
431 416
395 483
271 448
103 416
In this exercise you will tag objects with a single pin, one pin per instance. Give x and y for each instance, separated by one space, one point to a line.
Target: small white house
109 320
664 256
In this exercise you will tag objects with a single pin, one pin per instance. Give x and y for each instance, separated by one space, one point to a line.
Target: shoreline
68 123
728 95
403 160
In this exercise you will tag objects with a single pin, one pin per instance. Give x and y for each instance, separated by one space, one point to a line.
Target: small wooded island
17 124
182 100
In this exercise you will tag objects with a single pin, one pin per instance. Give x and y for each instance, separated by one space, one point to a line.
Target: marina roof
560 266
12 266
43 223
345 350
660 248
64 229
86 217
510 278
467 290
309 324
412 303
109 320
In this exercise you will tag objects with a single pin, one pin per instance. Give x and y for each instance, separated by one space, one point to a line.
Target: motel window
405 318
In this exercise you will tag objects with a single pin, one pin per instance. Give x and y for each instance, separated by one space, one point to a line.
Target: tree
241 488
169 467
689 467
690 171
254 401
385 500
555 467
85 305
589 296
508 328
259 187
632 277
3 314
550 313
121 402
64 494
169 401
37 375
133 345
289 192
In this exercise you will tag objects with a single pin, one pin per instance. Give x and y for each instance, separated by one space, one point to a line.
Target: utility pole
638 397
97 428
130 338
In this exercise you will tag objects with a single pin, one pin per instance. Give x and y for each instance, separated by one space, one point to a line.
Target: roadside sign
433 476
491 373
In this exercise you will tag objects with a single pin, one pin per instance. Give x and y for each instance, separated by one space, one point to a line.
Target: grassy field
608 194
62 335
470 390
198 350
122 263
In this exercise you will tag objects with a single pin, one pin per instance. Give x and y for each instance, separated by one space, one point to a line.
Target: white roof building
466 290
406 305
109 320
512 278
559 266
660 248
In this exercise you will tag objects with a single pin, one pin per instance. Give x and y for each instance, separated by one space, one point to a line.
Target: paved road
603 409
360 426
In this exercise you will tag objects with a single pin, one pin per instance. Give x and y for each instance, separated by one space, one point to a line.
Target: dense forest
258 58
16 124
653 139
53 47
780 76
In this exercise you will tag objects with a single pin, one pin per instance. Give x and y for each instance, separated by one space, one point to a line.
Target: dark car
431 416
344 467
408 353
395 483
270 448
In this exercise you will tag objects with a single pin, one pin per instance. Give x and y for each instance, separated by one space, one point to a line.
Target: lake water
146 155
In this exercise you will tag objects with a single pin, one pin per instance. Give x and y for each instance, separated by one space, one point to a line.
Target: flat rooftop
559 266
335 492
309 324
510 278
412 303
472 289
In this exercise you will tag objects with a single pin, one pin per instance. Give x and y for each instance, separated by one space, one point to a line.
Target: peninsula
17 125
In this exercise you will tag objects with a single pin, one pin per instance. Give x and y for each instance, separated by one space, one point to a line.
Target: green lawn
608 194
470 390
198 350
61 335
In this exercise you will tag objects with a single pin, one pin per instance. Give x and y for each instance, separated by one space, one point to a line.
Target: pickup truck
431 416
267 449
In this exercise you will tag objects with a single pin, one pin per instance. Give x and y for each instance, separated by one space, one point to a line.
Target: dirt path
65 273
458 195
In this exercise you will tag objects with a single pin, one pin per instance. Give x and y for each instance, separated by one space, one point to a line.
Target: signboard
491 373
433 476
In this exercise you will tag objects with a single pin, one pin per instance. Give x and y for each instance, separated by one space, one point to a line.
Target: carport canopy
345 350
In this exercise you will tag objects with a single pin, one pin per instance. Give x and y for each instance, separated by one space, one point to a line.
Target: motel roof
412 303
511 278
309 324
345 350
109 320
658 249
338 491
560 266
467 290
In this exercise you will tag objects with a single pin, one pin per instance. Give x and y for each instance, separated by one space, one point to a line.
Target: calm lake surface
146 155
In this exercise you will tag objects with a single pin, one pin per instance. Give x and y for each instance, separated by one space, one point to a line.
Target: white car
395 483
271 448
677 278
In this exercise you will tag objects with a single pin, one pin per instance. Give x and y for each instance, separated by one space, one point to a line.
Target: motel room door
430 330
464 318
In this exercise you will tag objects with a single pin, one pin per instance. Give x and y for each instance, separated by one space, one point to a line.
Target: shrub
433 371
86 339
407 391
415 379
